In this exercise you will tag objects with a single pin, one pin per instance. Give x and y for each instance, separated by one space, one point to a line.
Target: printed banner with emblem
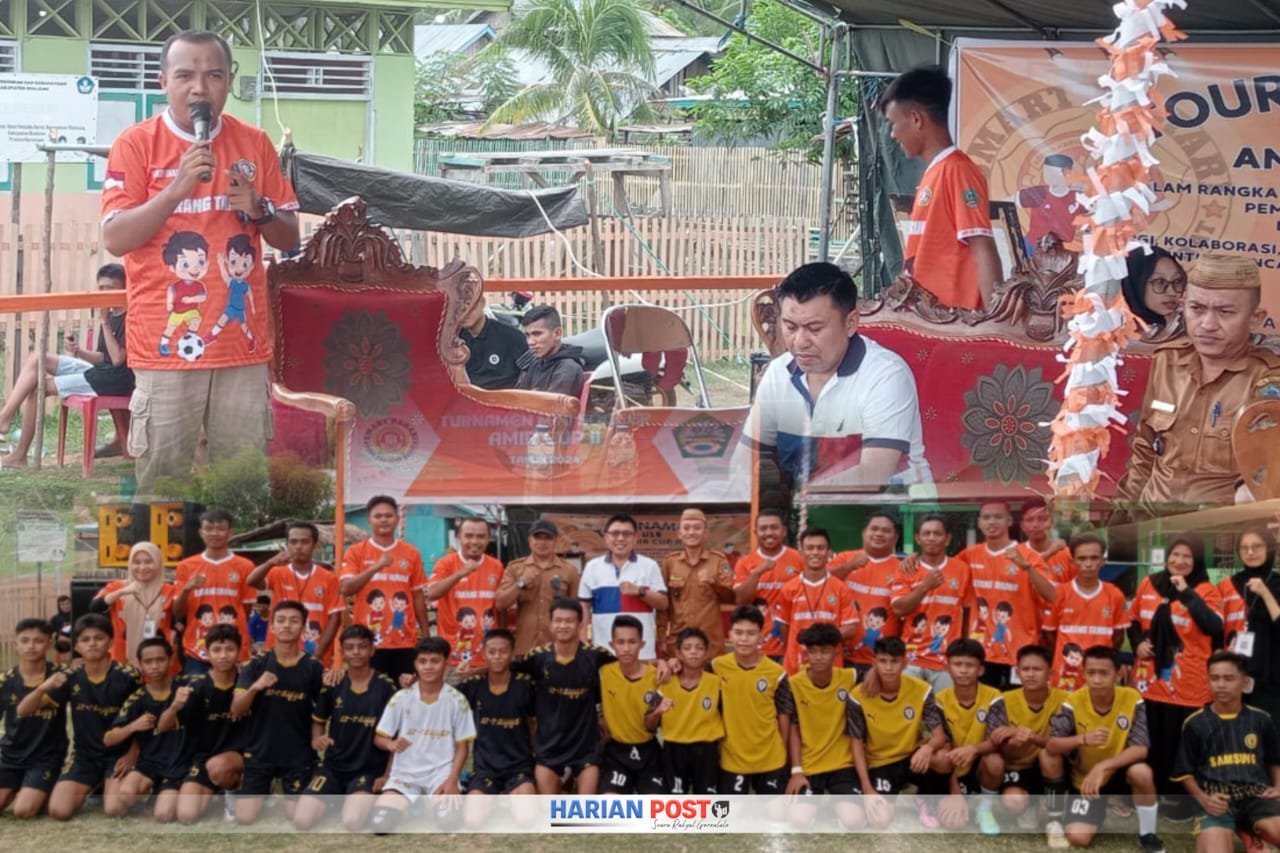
1021 109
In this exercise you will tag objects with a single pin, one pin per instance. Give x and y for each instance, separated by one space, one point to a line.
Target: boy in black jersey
278 689
1229 761
201 713
342 730
566 680
503 705
33 748
160 769
96 691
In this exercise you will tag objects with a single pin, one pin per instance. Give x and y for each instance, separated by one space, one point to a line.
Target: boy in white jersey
428 728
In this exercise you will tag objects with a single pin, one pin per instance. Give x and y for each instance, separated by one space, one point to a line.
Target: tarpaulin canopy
419 203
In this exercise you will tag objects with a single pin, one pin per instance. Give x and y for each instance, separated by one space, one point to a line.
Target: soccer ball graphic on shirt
190 346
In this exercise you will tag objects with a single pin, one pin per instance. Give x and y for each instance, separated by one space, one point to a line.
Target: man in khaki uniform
698 581
532 583
1199 384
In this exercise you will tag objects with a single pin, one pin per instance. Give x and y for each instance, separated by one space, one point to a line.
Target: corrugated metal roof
472 130
430 39
670 57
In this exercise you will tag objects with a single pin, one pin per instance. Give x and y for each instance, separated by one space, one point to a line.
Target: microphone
201 116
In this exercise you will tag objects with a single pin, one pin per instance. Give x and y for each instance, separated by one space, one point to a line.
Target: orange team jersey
1061 568
385 603
871 587
950 208
1081 621
203 268
467 611
939 618
120 642
1186 681
789 564
1012 607
803 603
1235 613
319 593
220 600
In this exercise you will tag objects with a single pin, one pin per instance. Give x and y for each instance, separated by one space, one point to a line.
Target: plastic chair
662 340
89 407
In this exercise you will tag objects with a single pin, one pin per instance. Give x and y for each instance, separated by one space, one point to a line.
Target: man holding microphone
189 193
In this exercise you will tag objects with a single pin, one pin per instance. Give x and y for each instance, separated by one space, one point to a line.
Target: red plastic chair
89 407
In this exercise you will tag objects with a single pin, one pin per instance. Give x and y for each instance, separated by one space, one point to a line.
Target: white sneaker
1055 836
228 808
1029 820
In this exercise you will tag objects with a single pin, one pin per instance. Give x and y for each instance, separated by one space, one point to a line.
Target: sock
1055 792
1147 819
164 340
385 820
215 331
988 799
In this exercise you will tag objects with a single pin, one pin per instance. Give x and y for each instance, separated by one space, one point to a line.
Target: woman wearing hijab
1251 613
141 606
1176 623
1154 286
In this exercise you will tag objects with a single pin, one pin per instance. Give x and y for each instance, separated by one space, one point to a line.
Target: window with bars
318 75
8 57
125 66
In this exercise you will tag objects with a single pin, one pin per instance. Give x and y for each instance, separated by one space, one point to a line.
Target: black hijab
1266 631
1141 266
1163 635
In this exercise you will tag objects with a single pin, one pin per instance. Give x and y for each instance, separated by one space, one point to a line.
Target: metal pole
829 142
15 219
47 264
693 7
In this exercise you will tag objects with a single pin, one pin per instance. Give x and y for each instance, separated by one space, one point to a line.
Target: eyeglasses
620 534
1167 285
1254 546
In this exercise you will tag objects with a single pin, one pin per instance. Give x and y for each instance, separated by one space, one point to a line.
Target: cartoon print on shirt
235 266
187 256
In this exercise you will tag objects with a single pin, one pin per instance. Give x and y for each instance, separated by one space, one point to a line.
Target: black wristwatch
268 208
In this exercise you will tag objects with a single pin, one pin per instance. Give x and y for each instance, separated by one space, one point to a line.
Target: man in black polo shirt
497 350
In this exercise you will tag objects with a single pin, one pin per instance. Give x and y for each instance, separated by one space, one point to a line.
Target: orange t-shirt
787 565
803 603
951 206
385 603
939 618
1235 613
319 593
1061 568
1082 621
872 587
120 643
1012 607
203 264
220 600
467 611
1187 680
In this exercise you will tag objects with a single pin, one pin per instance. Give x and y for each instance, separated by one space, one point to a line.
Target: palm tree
600 60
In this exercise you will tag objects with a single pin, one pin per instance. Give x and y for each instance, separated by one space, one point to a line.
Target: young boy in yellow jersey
820 744
964 707
689 713
753 755
898 736
628 699
1101 729
1018 729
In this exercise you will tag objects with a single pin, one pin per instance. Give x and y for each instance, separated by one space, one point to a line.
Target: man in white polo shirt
622 581
836 409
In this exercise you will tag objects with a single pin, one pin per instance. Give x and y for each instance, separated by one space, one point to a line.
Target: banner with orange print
1021 111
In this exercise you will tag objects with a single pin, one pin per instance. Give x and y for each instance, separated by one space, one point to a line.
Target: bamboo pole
46 262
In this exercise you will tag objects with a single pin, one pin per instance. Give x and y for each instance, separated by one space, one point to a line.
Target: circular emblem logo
246 169
982 715
926 196
390 440
318 592
85 85
404 564
831 599
494 359
650 698
235 577
706 703
1251 741
1122 722
909 712
842 695
762 686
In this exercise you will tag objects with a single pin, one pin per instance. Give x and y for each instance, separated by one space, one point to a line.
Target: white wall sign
36 108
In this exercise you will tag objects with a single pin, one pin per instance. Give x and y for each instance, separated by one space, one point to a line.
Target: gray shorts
69 378
938 679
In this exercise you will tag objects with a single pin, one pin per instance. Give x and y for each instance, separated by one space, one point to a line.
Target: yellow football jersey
625 702
1022 715
695 714
968 726
752 742
1118 722
822 713
894 729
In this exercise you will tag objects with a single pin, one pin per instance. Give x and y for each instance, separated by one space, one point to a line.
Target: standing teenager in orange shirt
759 577
815 596
213 587
292 575
870 572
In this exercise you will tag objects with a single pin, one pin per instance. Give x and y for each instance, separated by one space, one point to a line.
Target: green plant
299 490
256 490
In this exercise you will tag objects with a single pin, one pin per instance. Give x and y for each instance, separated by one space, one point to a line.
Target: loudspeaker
119 527
175 528
83 591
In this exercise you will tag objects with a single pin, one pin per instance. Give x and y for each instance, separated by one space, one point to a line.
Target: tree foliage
447 82
760 94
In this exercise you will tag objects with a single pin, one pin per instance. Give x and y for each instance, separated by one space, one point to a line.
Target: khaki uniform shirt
694 600
1182 453
533 605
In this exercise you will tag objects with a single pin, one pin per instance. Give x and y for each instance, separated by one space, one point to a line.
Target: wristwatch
268 208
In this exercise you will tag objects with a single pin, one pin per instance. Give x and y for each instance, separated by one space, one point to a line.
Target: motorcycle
639 386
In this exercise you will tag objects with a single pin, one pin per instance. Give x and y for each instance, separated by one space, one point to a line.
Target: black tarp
420 203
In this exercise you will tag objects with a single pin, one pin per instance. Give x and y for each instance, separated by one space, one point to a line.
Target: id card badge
149 629
1243 644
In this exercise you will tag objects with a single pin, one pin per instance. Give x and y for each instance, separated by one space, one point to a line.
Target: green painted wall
393 79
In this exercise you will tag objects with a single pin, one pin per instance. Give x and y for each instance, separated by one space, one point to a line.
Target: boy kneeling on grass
33 747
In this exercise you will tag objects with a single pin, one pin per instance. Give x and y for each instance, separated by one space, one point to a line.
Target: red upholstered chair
89 408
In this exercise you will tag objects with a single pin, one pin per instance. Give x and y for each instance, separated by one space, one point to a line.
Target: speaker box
175 529
83 591
119 527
